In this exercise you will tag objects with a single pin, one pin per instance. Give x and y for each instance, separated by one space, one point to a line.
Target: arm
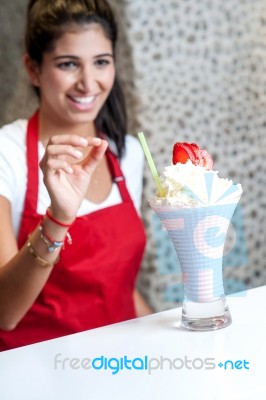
21 276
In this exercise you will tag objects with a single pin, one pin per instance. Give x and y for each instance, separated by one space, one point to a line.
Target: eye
102 62
67 65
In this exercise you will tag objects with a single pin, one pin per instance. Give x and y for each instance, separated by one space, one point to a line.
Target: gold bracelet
36 256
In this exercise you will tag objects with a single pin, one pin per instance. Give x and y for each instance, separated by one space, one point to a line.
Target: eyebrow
105 55
76 57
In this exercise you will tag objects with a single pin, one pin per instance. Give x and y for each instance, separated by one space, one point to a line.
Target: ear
32 69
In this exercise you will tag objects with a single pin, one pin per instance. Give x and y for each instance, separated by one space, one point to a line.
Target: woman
71 238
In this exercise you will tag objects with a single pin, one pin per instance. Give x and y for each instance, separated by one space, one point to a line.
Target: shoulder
13 167
132 162
13 134
133 153
133 150
12 153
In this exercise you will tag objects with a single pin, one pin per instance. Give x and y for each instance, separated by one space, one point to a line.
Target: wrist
51 243
59 220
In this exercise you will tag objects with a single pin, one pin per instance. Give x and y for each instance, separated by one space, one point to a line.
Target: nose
87 80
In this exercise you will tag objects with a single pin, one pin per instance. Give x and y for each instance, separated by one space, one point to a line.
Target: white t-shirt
13 173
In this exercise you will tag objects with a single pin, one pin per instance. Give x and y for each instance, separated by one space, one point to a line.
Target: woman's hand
67 182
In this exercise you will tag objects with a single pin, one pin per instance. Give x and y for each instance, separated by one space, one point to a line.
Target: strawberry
182 152
205 159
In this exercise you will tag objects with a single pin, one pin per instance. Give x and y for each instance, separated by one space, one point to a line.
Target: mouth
84 100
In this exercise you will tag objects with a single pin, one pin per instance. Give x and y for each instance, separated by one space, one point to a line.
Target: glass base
208 316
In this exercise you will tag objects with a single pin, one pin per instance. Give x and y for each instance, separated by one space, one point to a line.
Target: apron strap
31 197
117 175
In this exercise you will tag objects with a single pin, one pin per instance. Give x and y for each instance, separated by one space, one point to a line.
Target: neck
49 127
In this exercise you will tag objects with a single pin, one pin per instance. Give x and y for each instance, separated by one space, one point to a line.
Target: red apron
93 282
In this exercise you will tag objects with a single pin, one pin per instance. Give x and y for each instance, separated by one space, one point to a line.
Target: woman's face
76 77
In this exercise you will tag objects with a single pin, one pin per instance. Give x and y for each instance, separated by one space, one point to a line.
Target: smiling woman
69 262
74 80
48 22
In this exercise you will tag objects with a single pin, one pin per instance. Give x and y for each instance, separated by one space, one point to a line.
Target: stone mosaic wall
193 71
198 73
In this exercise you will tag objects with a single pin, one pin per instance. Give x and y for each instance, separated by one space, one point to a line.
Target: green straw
151 163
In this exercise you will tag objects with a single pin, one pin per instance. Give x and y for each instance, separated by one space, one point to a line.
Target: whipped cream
191 185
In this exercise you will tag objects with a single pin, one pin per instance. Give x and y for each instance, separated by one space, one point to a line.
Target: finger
95 156
54 165
62 151
73 140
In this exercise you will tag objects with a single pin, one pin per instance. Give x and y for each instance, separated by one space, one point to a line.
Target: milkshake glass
198 234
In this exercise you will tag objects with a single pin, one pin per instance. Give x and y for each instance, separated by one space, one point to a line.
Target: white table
29 373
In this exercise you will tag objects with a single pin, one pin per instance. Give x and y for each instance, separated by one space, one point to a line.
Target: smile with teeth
83 100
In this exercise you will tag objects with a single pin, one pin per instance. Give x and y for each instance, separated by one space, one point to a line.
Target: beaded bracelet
38 259
49 215
52 244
